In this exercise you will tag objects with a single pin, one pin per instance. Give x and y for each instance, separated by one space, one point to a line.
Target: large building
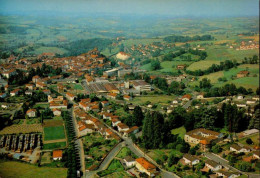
145 166
201 135
141 85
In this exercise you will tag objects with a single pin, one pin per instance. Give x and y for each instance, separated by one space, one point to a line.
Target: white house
190 160
226 174
212 165
238 149
122 127
115 122
129 161
31 113
56 112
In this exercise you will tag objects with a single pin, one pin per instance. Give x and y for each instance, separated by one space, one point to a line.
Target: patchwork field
14 169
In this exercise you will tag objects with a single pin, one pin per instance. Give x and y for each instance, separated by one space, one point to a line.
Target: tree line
227 64
179 38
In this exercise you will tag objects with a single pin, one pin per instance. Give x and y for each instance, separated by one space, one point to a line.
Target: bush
249 141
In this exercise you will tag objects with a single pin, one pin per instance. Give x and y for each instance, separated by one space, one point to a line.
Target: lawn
52 146
125 151
153 99
54 133
12 169
181 131
114 166
43 106
255 139
78 87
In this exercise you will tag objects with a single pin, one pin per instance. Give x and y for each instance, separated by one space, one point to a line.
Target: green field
205 64
14 169
125 151
181 131
54 133
51 146
78 87
154 99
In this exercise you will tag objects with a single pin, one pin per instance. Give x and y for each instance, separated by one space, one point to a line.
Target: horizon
164 8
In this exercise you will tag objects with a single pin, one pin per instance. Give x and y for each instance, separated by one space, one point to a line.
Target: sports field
54 133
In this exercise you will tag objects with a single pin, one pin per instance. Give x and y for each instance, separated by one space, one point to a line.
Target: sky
173 8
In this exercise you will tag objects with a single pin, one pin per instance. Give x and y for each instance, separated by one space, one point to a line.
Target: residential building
129 161
31 113
145 166
190 160
57 155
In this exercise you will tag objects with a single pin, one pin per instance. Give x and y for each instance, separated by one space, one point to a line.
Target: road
225 163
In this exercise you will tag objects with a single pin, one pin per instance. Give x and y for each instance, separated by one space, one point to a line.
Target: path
54 141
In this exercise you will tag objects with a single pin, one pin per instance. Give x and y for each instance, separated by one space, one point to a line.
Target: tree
138 116
155 65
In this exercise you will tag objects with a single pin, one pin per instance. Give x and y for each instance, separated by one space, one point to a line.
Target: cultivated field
15 129
13 169
54 133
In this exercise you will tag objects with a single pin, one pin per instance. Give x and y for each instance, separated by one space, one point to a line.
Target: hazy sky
197 8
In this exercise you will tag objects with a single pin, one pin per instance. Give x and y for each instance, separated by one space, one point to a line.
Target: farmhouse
31 113
145 166
243 73
57 155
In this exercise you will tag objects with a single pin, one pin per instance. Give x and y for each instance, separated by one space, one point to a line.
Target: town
122 89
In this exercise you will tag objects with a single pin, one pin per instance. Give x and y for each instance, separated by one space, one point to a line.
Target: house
122 127
190 160
205 145
195 136
250 102
112 95
9 73
132 130
3 95
129 161
31 113
47 92
40 85
107 116
56 112
127 97
70 96
29 86
104 103
256 98
28 92
14 92
84 128
243 73
145 166
200 96
240 97
239 149
57 155
186 97
36 78
115 122
212 165
226 174
256 154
